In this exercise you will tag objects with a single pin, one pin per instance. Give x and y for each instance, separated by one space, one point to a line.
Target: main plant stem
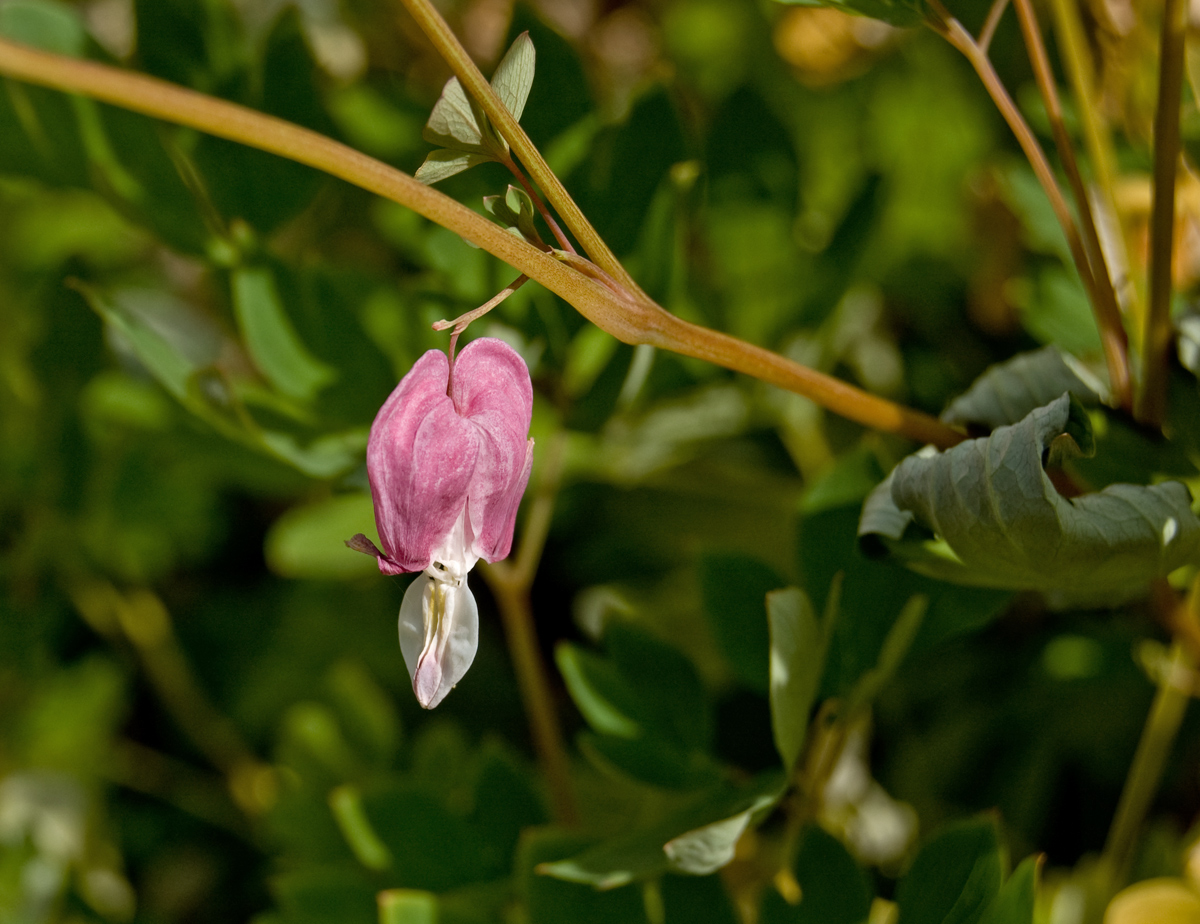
510 583
1151 402
634 320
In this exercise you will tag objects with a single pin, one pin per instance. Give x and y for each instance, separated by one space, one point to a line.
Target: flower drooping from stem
448 459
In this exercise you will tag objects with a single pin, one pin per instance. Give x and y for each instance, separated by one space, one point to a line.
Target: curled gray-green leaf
1008 391
985 513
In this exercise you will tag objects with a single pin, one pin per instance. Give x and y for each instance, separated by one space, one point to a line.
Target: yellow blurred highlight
1155 901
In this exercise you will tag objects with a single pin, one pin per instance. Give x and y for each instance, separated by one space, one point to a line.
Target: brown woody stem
1104 301
631 320
1112 338
1151 403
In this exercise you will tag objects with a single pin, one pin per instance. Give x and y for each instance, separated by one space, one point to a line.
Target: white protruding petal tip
439 634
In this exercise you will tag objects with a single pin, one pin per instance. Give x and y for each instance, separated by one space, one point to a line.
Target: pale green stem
1151 405
633 320
510 583
1145 774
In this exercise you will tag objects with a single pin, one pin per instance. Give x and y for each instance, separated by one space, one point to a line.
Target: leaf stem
991 24
633 319
563 241
510 583
1112 337
1156 338
1108 315
473 81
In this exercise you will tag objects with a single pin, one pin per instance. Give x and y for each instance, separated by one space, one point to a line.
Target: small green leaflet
459 125
514 210
985 513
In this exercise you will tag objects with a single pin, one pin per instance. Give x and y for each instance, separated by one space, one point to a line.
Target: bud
448 460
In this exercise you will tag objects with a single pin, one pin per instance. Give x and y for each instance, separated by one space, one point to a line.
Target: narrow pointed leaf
1014 904
797 656
985 513
955 877
272 340
514 75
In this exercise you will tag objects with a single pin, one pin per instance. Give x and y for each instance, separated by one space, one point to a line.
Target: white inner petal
452 558
439 635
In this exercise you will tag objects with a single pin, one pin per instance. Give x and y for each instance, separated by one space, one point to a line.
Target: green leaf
696 900
443 163
998 520
432 847
1054 308
895 646
346 804
515 212
643 686
599 691
955 877
307 541
652 760
734 588
43 24
455 120
848 481
323 457
833 889
1014 904
272 339
705 850
156 346
553 901
514 75
311 895
697 838
407 906
1008 391
670 698
798 649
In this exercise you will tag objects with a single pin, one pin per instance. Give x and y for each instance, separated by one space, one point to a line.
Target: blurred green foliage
204 715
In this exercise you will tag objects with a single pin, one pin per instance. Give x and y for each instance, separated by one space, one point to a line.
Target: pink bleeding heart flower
448 459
